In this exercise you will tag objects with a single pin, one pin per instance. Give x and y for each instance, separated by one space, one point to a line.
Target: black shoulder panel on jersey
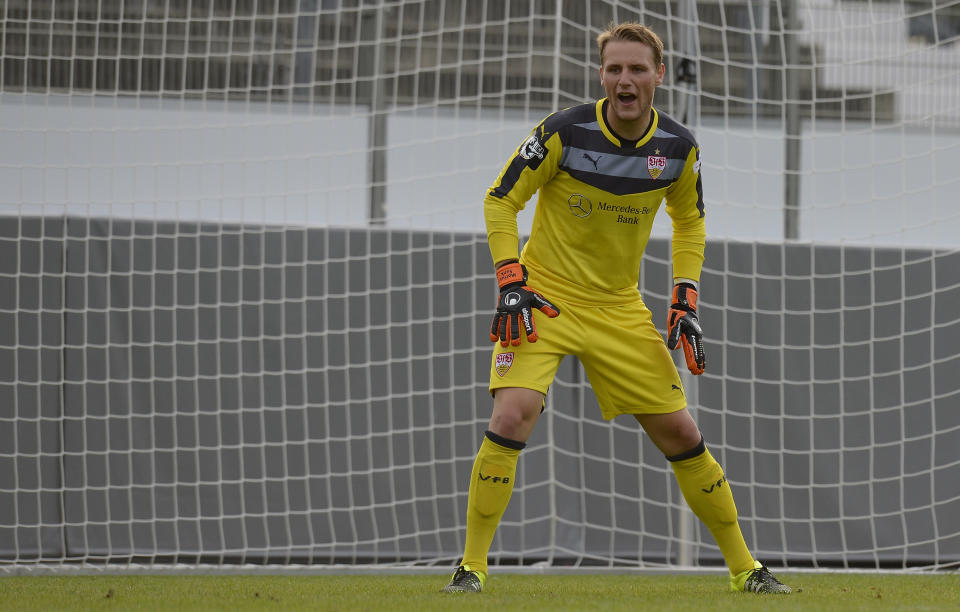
671 126
515 169
582 113
532 152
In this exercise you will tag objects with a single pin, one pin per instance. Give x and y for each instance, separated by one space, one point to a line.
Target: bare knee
515 412
674 433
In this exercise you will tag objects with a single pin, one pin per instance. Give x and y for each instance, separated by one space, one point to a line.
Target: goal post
245 289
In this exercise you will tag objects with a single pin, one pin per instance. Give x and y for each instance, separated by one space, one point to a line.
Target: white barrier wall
239 162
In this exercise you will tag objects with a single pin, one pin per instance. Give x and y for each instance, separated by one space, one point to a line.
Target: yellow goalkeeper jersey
598 198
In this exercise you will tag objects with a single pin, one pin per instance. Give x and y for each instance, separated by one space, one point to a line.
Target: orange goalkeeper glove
515 305
683 326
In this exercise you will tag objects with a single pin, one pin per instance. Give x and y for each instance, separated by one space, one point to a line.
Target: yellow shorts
625 358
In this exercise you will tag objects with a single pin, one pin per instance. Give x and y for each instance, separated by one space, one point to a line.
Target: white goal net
245 288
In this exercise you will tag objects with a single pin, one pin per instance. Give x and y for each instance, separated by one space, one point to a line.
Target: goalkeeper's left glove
683 326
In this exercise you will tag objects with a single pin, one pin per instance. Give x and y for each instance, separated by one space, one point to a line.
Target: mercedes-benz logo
579 205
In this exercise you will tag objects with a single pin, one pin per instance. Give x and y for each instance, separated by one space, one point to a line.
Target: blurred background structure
245 288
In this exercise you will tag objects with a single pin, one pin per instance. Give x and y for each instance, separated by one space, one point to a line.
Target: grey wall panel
31 339
312 395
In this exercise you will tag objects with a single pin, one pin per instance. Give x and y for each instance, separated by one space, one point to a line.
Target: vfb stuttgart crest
656 164
503 363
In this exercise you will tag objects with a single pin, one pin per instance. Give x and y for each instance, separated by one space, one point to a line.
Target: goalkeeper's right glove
515 305
683 326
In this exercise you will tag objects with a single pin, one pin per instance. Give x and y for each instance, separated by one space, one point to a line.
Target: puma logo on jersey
594 161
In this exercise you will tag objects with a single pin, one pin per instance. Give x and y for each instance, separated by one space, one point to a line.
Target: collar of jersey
609 133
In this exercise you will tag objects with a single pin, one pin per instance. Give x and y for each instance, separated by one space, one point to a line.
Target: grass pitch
503 592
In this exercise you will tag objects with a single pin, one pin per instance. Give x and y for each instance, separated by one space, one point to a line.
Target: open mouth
626 98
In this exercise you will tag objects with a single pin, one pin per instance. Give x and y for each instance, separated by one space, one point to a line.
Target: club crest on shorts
503 363
656 164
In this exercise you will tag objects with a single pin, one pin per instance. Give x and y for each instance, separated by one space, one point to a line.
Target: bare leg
673 433
515 412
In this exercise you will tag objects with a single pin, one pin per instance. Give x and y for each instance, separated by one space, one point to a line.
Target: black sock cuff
696 451
504 442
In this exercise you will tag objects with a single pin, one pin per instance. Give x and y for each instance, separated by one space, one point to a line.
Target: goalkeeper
602 170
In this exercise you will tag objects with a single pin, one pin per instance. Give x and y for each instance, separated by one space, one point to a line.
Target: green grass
504 592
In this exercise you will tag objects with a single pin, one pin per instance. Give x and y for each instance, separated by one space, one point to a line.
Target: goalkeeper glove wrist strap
511 274
684 297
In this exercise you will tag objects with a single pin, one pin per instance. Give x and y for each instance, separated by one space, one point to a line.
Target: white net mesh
246 288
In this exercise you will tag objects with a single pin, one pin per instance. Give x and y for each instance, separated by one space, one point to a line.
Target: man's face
629 79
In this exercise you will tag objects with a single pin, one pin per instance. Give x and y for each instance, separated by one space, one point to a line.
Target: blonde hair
635 32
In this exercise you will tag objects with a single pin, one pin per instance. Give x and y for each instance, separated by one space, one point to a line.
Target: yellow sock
708 494
491 485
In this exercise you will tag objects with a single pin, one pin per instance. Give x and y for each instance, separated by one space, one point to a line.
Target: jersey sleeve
684 204
533 163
